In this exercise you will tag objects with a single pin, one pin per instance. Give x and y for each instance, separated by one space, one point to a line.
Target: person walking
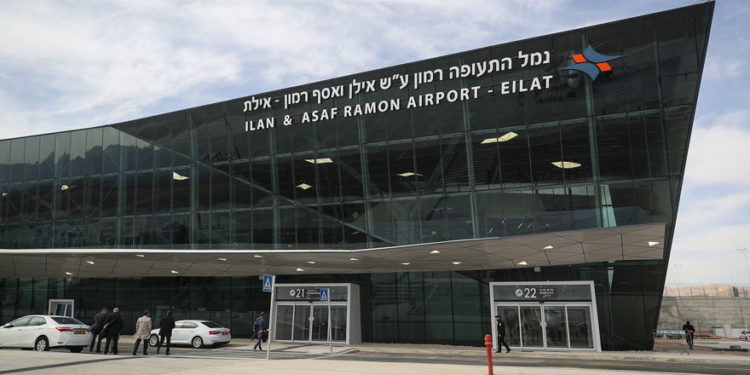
96 330
500 324
142 332
166 325
111 330
260 327
689 333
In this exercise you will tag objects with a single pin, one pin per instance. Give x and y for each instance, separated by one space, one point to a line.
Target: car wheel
76 349
154 340
42 344
197 342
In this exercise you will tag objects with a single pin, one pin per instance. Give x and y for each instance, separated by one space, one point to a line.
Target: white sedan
42 332
196 333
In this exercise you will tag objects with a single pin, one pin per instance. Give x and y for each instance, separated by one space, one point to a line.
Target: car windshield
211 325
65 320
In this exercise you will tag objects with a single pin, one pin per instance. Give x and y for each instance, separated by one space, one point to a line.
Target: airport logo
591 62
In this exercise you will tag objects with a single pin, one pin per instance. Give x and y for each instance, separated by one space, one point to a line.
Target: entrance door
309 322
320 323
548 326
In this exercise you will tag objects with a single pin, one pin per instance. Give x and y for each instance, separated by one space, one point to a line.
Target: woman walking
142 332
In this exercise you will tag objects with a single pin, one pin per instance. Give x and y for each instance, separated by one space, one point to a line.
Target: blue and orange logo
591 62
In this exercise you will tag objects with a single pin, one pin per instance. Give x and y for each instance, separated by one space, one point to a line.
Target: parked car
42 332
197 333
745 334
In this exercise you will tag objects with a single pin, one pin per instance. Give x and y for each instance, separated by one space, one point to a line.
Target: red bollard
488 345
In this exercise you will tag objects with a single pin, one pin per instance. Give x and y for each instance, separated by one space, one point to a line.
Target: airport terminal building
537 179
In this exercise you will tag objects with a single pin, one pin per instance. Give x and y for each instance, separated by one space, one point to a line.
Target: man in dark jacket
96 330
112 328
260 327
689 333
166 325
500 324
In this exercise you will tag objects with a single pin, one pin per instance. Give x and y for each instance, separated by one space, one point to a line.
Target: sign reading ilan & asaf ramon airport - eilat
399 81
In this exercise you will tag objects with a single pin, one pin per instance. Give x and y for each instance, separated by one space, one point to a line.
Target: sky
74 64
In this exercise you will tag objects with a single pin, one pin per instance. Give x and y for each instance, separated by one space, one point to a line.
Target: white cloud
71 65
719 152
720 67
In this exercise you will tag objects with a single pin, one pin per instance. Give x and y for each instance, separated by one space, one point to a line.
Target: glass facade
581 154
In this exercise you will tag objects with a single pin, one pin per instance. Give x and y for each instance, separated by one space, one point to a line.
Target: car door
9 332
34 328
178 333
189 330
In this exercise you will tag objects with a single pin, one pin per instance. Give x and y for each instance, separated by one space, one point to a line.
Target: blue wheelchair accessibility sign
324 294
267 283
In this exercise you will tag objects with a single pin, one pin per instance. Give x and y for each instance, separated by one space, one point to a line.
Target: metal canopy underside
632 242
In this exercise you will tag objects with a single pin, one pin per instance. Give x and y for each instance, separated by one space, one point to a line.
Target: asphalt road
499 361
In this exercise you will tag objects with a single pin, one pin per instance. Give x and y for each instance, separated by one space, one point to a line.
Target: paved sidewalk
682 357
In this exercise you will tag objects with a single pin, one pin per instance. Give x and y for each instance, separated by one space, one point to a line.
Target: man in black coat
689 333
112 328
96 330
500 324
166 325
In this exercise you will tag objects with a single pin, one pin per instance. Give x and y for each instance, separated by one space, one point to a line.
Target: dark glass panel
181 191
129 200
406 221
546 150
4 160
384 312
145 152
145 193
576 149
204 188
110 149
306 186
62 154
351 175
429 171
263 228
401 169
675 35
163 191
46 156
109 195
676 128
455 164
221 195
614 148
220 230
17 152
486 160
29 191
44 200
128 152
411 325
31 158
76 197
657 159
328 178
583 206
284 169
92 196
94 151
78 153
515 165
467 308
377 166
